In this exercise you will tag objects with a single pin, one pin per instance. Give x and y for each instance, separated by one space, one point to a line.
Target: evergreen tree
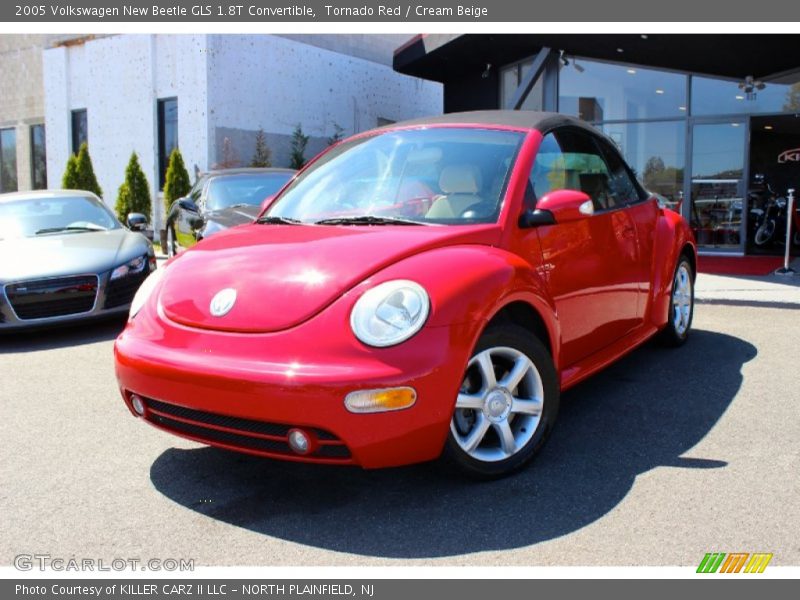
86 177
134 193
263 155
69 181
338 134
177 183
298 148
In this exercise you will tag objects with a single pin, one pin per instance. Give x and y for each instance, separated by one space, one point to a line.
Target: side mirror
136 222
559 206
188 204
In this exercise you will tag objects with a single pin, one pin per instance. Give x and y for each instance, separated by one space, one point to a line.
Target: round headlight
390 313
144 291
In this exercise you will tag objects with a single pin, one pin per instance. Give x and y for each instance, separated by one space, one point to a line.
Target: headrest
460 179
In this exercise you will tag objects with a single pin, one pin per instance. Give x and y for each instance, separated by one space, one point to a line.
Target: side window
623 185
569 159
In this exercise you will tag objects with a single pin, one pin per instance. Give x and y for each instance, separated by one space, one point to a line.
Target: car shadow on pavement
75 334
643 412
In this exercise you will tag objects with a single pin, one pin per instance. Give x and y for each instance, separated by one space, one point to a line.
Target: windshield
225 191
52 215
425 176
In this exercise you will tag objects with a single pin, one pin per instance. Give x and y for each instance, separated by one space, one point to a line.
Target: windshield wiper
367 220
240 205
273 220
58 229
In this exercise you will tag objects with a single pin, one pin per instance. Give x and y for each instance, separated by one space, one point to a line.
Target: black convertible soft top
520 119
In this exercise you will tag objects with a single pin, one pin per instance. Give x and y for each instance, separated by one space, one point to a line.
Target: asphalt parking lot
665 456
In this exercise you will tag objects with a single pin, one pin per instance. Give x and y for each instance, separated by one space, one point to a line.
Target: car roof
45 194
247 170
516 119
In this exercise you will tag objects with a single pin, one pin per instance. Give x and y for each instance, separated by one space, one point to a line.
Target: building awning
444 57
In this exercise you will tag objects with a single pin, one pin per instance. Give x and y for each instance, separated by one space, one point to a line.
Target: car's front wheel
506 406
679 320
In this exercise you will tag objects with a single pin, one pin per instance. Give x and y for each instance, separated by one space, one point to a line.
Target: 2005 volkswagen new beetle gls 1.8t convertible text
418 291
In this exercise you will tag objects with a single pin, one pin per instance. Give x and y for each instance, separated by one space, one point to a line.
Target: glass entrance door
717 184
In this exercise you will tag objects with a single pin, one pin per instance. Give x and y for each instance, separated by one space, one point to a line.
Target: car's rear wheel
507 404
170 252
681 307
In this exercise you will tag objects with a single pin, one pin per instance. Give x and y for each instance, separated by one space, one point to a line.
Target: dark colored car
219 200
64 256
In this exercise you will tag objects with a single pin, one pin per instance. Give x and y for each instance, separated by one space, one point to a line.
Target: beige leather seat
460 185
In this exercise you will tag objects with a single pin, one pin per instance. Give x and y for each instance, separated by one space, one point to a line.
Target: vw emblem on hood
223 302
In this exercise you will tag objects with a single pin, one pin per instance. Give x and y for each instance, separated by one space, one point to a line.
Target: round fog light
299 442
138 405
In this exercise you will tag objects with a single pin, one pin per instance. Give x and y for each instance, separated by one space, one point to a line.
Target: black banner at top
436 11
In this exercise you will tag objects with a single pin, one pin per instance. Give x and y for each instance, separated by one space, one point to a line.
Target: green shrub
298 148
263 155
177 183
338 134
69 181
134 193
86 177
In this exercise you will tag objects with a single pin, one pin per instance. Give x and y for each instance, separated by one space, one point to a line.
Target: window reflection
595 91
510 78
721 96
657 154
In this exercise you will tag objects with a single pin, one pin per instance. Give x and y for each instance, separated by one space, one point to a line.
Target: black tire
677 330
501 343
170 250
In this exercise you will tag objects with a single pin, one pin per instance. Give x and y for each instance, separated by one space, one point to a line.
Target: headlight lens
390 313
136 265
144 291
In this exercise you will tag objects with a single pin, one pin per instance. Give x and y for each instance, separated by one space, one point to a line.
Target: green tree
134 193
263 155
338 134
177 183
86 177
298 148
69 181
793 98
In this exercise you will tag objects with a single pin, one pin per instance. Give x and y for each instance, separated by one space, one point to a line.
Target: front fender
673 234
471 284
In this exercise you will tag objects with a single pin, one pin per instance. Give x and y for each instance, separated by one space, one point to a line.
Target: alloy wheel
499 406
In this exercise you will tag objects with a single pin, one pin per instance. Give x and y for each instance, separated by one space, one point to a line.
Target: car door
592 265
642 210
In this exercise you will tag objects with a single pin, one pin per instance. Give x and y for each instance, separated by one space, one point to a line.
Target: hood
68 253
284 275
230 217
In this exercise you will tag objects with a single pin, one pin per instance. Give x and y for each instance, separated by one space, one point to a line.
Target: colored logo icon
736 562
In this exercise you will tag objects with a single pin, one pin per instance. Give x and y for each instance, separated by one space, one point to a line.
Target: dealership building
698 117
209 95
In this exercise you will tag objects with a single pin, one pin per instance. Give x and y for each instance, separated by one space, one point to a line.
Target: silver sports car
65 256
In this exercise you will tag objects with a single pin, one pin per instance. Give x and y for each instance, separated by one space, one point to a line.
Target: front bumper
246 391
112 298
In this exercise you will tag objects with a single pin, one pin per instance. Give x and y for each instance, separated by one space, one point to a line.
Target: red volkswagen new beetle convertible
422 290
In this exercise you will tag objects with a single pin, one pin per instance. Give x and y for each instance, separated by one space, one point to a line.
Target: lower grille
247 434
55 297
121 291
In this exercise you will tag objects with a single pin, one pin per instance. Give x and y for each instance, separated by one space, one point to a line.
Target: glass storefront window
595 91
38 158
721 97
510 78
717 186
657 154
